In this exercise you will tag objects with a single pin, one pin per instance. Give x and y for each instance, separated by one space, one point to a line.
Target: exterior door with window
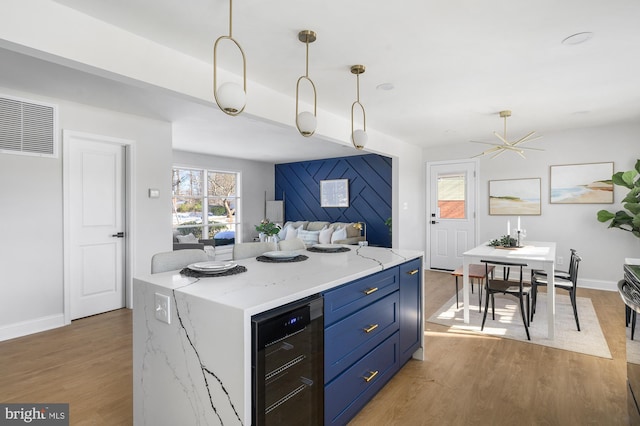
452 223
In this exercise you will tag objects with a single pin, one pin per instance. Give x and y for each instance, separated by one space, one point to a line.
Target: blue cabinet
410 308
347 394
372 327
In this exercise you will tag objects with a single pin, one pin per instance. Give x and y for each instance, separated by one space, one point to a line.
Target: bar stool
477 272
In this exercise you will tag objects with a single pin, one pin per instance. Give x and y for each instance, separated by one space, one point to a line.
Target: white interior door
95 218
452 208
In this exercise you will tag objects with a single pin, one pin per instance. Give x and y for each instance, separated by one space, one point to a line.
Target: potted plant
628 219
268 229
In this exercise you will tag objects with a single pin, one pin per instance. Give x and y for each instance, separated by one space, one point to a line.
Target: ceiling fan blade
499 136
489 151
497 153
512 148
522 139
530 148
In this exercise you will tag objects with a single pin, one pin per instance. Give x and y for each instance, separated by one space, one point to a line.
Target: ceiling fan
506 145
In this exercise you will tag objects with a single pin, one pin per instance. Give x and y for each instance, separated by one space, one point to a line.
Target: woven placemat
298 258
197 274
338 250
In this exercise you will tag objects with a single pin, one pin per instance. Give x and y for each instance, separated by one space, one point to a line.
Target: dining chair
246 250
477 273
558 274
504 286
569 284
177 259
292 244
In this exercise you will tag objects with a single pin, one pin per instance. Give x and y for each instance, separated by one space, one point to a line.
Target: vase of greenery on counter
269 230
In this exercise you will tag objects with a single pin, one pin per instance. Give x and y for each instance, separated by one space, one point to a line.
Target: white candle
508 227
519 224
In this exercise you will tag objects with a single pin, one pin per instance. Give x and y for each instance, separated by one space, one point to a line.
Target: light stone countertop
268 285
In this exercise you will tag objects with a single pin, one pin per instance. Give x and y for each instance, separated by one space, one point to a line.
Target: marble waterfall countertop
196 367
268 285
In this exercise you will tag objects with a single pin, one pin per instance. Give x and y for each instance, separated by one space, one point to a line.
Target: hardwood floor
87 364
473 380
466 379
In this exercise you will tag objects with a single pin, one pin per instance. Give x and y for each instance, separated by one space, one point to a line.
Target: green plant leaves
626 220
604 215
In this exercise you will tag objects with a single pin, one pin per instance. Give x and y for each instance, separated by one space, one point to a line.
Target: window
196 191
451 196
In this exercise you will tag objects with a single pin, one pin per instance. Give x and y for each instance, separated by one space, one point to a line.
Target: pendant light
230 97
306 121
358 137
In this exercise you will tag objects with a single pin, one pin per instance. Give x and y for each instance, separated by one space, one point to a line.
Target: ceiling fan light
231 97
359 138
307 123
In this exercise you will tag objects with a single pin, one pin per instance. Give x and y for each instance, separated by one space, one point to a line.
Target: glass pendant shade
231 97
307 123
359 138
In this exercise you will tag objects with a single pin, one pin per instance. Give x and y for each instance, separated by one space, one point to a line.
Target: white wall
256 178
31 250
603 250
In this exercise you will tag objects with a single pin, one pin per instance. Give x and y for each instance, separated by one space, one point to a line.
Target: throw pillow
293 233
339 234
325 236
283 232
309 237
189 238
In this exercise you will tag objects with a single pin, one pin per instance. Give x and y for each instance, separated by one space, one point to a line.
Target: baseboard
598 285
25 328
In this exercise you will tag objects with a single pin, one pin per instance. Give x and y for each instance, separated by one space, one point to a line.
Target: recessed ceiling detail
578 38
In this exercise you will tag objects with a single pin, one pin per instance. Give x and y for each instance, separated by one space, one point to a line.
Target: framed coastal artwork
581 183
515 197
334 193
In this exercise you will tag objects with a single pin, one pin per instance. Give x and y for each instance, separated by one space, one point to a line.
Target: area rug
508 323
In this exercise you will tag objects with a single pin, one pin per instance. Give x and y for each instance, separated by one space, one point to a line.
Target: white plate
212 266
281 254
327 246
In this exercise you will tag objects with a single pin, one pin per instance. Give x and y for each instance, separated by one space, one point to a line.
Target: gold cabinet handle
370 328
371 290
415 271
371 376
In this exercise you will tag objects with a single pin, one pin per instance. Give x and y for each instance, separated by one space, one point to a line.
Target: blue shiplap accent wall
369 192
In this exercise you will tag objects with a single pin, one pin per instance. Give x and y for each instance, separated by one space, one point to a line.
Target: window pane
187 182
221 184
187 211
451 196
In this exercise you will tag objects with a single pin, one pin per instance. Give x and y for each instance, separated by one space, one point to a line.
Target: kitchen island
196 369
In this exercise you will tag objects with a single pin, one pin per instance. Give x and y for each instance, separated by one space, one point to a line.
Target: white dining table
536 254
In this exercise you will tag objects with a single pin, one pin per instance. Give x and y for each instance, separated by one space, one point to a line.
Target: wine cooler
287 364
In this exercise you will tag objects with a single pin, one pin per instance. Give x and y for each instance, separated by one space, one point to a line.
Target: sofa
315 232
220 247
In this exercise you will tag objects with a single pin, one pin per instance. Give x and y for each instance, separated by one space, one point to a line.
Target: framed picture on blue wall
334 193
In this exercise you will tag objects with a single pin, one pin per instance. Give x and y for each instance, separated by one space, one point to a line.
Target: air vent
28 128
